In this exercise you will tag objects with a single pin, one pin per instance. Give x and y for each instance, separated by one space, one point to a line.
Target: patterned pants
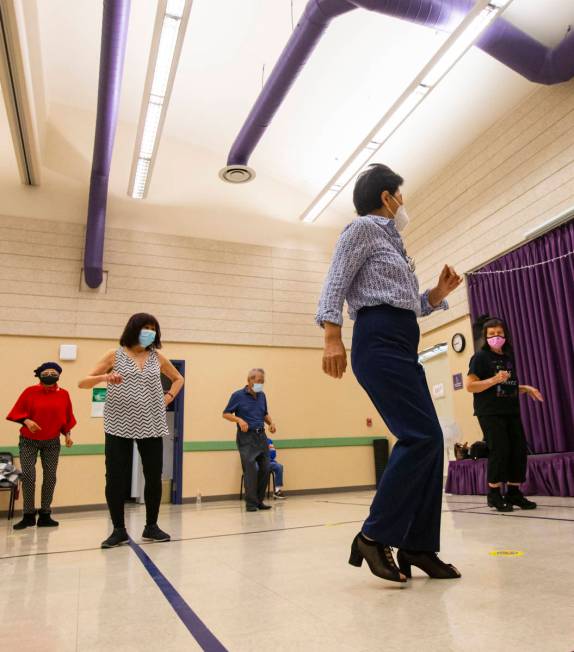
49 455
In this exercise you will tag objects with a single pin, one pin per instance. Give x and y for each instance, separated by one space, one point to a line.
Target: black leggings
118 463
507 448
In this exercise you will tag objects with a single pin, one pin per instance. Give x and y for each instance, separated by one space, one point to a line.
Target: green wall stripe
316 442
208 446
77 449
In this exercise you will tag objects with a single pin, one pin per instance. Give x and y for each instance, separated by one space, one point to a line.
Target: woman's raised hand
448 281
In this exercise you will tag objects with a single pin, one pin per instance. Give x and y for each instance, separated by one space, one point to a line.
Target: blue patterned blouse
370 267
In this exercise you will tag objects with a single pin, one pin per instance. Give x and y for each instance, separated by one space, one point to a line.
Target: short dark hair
131 334
370 184
494 322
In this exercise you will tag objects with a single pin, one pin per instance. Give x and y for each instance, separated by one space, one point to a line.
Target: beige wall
200 290
301 400
516 175
457 363
219 473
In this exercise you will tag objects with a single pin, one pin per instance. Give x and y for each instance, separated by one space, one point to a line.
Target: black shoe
118 537
28 520
428 562
263 506
251 508
516 497
378 557
497 502
45 520
279 495
153 533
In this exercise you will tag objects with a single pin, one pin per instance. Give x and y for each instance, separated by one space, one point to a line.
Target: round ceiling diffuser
237 174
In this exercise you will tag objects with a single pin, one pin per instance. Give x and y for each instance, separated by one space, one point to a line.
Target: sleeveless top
135 408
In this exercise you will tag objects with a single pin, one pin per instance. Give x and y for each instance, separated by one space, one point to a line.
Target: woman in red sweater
45 412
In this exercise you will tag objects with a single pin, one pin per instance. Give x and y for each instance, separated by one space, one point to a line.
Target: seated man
277 470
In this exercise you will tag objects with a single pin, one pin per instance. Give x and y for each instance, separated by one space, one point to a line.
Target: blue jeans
277 470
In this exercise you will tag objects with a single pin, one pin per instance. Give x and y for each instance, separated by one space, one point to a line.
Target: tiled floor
279 581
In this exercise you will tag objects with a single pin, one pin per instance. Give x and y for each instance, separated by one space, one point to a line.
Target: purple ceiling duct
114 38
502 40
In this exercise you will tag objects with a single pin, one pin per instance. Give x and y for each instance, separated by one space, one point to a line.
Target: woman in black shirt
493 381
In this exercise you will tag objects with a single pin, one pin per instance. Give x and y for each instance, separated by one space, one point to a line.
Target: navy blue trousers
406 509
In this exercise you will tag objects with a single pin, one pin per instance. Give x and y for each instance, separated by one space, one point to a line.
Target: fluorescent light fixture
461 45
14 79
559 219
171 21
319 205
454 47
433 352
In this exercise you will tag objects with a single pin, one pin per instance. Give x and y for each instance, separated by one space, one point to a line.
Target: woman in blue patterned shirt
372 272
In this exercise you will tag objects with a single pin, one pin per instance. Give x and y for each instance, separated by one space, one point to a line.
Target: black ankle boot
515 497
427 562
46 520
378 557
496 501
28 520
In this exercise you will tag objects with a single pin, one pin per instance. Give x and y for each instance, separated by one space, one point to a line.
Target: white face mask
402 218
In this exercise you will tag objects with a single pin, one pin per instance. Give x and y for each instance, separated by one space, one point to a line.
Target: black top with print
499 399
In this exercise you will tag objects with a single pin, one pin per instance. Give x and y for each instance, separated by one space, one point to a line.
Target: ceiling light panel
170 26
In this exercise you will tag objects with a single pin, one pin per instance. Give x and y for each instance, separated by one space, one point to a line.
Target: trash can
381 452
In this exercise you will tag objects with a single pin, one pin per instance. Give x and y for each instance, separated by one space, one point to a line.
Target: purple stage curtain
466 477
546 475
538 305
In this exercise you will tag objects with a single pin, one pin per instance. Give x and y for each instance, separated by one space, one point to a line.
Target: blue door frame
178 406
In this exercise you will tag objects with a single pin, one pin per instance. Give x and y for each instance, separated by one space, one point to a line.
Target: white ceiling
361 65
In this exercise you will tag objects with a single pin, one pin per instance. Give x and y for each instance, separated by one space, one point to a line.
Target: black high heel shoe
378 557
428 562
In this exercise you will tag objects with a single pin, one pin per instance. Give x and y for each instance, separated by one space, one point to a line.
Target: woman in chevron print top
135 411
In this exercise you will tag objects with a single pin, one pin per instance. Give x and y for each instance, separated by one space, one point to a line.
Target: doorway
172 474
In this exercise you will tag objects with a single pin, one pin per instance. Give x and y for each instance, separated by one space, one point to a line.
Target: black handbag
461 451
478 450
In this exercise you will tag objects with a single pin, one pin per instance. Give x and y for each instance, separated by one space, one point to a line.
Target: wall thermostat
458 342
68 351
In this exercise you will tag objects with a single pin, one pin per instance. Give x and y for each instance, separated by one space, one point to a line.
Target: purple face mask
496 342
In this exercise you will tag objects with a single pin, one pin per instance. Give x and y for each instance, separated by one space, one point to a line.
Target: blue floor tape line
188 617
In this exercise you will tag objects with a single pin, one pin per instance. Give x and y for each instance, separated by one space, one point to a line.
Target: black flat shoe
28 520
153 533
45 520
495 501
428 562
378 557
518 499
118 537
263 506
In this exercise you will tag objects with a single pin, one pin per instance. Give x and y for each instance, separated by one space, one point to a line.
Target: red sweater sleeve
70 418
21 409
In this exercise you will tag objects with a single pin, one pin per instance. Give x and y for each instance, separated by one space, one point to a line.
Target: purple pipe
527 56
503 41
114 39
